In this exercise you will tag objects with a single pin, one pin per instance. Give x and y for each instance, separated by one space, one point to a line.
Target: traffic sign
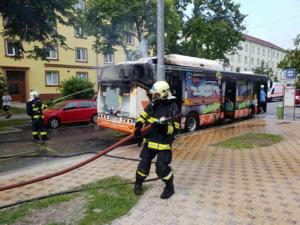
290 73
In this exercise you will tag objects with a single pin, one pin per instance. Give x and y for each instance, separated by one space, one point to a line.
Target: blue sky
276 21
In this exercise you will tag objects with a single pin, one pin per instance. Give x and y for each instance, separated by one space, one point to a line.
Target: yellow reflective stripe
168 176
141 174
44 106
33 105
152 120
36 116
140 119
43 133
144 114
177 125
170 130
154 145
35 133
35 109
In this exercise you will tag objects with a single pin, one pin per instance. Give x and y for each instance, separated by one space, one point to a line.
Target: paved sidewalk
213 185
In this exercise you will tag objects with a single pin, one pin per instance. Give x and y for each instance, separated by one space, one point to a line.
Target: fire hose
76 166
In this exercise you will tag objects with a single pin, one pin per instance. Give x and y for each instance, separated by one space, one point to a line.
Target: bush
74 85
2 88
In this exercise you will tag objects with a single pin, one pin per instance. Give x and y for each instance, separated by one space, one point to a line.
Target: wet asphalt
18 151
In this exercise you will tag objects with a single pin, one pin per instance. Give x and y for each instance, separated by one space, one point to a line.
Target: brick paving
213 185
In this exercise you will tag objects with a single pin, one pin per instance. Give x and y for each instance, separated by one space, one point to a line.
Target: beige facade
253 51
46 76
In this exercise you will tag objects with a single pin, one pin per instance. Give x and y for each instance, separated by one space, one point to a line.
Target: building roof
261 42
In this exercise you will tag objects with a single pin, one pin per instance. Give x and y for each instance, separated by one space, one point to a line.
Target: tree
265 70
111 21
84 88
292 59
34 22
213 30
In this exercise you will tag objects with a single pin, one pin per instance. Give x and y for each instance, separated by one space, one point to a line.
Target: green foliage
250 140
213 30
265 70
34 21
111 21
75 85
2 88
292 60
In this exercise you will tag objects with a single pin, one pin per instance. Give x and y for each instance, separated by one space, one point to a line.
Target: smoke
143 48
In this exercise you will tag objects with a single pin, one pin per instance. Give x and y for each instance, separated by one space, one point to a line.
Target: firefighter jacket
35 108
161 135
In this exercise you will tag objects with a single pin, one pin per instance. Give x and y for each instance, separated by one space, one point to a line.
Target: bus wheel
192 123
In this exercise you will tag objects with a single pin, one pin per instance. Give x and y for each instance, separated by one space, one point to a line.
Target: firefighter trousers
163 170
39 129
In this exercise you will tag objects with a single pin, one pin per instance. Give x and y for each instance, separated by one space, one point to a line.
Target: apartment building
253 51
46 76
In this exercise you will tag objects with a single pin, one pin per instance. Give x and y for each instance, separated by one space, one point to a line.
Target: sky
276 21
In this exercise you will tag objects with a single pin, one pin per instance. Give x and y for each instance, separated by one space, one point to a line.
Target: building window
246 59
81 54
268 53
80 5
273 54
246 47
82 75
252 49
264 52
52 78
129 39
239 58
252 60
245 69
52 53
11 49
257 61
79 32
277 55
258 50
231 69
109 58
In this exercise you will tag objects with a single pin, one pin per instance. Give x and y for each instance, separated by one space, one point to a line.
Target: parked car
297 97
275 91
71 111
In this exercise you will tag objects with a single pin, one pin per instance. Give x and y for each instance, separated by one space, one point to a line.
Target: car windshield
57 105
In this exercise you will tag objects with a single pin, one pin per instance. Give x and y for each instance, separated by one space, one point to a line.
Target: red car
71 111
297 97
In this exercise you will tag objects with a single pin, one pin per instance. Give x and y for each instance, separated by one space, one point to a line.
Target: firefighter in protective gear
35 110
162 114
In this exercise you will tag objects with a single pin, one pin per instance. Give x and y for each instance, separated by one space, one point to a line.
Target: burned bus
205 94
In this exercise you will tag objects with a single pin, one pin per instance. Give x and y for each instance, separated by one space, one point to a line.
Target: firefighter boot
138 187
168 189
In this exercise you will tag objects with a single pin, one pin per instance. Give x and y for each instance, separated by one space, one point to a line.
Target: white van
275 91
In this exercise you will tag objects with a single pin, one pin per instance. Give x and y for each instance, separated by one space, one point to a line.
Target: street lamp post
160 41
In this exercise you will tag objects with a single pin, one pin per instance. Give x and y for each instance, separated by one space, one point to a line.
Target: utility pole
160 41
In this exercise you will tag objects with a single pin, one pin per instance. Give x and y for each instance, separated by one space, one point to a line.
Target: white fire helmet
160 90
33 95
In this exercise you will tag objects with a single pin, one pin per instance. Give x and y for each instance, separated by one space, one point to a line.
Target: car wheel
94 119
54 123
192 123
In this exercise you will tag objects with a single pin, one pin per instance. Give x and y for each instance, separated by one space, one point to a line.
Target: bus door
230 97
175 82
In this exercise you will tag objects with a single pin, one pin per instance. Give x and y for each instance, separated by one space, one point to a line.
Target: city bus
205 93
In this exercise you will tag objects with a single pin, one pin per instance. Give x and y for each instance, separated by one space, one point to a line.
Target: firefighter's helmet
33 95
160 90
